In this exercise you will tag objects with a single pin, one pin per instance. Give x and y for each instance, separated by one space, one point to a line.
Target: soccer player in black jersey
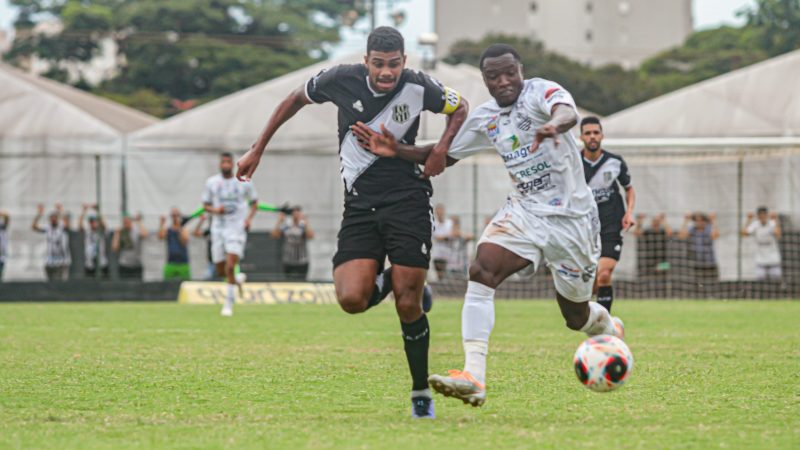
605 172
387 201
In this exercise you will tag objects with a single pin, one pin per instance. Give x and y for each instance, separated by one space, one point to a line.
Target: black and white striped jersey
371 181
604 177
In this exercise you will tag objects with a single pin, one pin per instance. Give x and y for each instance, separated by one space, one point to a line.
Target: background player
387 201
605 172
550 216
233 204
766 230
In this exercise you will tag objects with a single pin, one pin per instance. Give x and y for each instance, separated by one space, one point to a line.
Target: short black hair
226 155
761 209
591 120
496 50
385 39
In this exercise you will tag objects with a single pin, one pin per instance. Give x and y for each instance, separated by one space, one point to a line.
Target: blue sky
707 14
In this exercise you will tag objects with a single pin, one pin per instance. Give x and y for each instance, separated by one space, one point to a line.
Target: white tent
52 138
762 100
727 144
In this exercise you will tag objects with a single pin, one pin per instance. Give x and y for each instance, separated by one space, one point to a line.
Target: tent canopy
761 100
234 121
38 108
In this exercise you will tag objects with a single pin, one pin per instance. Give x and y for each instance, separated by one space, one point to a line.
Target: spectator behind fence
295 234
211 268
700 238
177 238
766 231
94 243
442 229
57 258
127 242
651 246
458 262
5 219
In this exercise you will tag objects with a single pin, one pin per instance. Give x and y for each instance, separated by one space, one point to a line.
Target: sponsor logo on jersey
491 128
540 184
555 202
401 113
514 141
520 153
533 170
358 106
602 195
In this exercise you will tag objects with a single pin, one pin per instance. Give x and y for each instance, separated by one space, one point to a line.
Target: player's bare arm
437 157
385 145
562 118
293 103
249 220
630 202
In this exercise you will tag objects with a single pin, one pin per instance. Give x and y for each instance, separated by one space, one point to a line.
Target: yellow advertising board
213 293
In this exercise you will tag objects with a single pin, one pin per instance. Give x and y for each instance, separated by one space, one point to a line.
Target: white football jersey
767 250
234 195
549 181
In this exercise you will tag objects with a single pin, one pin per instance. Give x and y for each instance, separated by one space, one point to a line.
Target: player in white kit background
766 230
233 204
550 216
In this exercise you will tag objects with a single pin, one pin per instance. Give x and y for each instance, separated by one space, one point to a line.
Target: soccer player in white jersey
233 204
550 216
766 230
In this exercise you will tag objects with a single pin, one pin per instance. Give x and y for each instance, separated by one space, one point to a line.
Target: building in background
595 32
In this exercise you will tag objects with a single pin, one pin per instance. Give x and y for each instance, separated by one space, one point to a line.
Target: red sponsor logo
550 92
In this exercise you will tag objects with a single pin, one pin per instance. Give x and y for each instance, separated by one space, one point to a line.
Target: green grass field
707 375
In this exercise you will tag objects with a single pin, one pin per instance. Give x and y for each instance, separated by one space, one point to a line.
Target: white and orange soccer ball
603 363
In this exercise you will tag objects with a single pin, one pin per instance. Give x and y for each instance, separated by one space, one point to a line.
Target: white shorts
770 272
569 245
226 242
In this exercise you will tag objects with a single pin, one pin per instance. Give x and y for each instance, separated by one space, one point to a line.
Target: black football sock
605 296
383 285
417 337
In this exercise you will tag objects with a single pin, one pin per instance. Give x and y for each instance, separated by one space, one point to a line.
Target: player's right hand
247 164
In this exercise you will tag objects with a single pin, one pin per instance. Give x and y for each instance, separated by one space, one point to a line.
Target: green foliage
183 49
707 374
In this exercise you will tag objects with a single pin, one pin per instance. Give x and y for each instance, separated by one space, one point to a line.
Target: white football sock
229 299
477 321
599 321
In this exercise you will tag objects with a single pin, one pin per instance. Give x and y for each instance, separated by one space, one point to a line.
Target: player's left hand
544 132
247 223
627 221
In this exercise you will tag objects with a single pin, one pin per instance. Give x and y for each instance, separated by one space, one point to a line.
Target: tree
183 49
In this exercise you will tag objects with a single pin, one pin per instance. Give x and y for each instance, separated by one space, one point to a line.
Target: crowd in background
91 242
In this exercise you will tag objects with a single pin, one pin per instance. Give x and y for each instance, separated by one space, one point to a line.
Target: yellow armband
451 100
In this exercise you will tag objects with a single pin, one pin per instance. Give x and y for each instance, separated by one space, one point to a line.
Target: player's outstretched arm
562 118
39 213
437 158
286 109
385 145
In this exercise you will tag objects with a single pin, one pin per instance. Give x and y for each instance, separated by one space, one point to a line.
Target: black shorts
402 231
611 246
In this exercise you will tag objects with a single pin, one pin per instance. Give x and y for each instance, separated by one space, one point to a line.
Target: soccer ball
603 363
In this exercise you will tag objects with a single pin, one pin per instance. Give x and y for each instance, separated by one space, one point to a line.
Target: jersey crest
401 113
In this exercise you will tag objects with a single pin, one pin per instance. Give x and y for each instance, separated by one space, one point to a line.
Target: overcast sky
707 14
